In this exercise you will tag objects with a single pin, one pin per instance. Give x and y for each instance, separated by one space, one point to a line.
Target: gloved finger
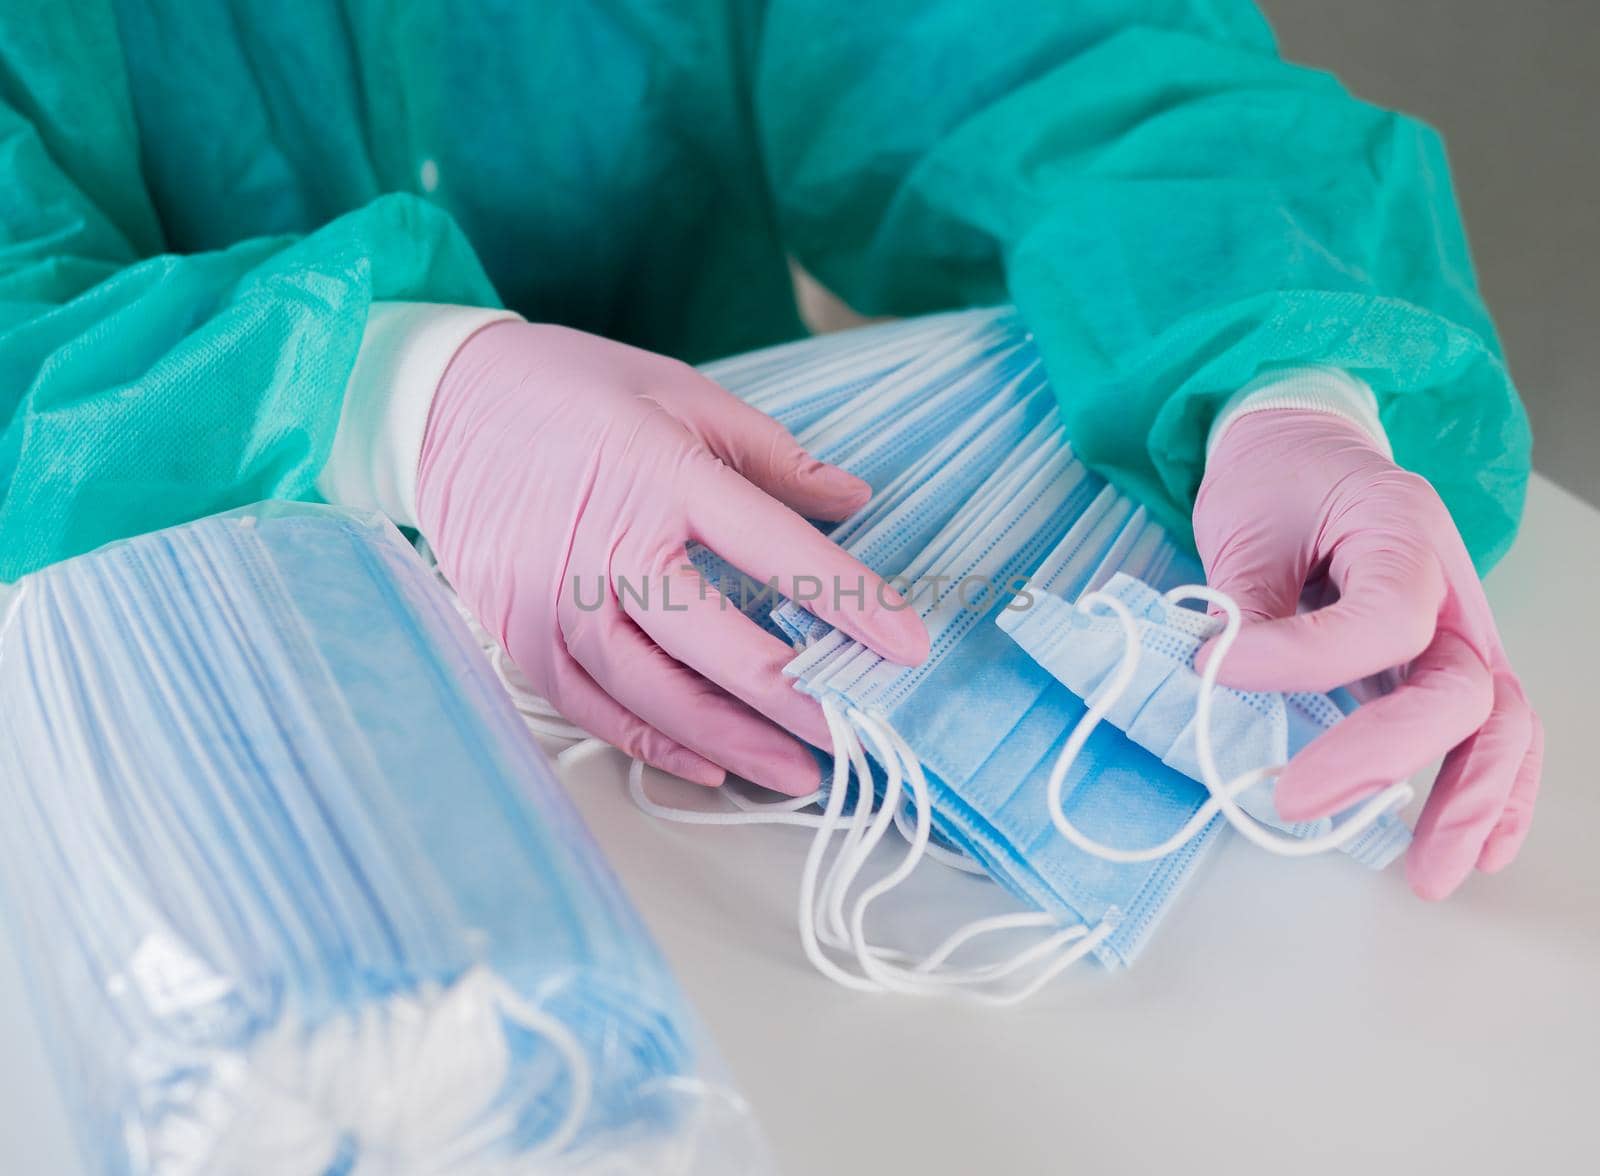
1386 613
1243 558
1447 695
582 702
701 629
1469 796
1260 584
762 450
684 706
769 541
1511 830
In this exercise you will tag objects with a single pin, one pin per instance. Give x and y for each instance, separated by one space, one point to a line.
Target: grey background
1515 88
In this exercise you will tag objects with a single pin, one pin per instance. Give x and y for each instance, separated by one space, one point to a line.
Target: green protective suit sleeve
1171 206
140 389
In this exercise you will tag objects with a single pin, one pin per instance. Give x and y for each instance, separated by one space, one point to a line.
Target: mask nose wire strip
1222 793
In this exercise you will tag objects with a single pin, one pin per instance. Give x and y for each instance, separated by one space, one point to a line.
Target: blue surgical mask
980 723
300 882
1129 652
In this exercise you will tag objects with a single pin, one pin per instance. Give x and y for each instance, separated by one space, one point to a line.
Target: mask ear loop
323 1081
793 804
781 812
852 855
543 718
825 897
842 738
895 769
925 978
1222 793
820 915
580 1075
1395 796
905 825
1100 706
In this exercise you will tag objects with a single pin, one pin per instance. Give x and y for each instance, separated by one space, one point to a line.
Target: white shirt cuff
1310 388
404 352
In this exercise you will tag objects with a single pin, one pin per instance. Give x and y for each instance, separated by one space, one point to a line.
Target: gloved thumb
1254 578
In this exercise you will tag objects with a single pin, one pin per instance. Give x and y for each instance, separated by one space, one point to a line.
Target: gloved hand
1290 496
556 464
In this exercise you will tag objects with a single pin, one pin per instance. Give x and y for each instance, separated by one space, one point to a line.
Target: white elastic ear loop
858 843
806 915
765 812
905 823
579 1073
925 978
822 898
1099 707
543 718
751 813
581 750
829 922
1084 945
456 1155
879 964
826 897
866 955
1395 796
341 1078
792 805
1222 793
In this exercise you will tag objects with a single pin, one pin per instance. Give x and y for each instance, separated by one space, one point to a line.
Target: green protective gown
200 200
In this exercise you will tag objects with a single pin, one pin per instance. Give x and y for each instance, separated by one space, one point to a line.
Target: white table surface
1289 1017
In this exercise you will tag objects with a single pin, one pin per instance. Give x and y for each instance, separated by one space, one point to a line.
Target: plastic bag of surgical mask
299 894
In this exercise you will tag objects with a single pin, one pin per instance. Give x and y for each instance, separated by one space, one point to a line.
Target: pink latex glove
551 455
1290 496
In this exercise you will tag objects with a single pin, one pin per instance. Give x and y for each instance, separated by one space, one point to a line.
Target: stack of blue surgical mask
991 755
892 404
299 893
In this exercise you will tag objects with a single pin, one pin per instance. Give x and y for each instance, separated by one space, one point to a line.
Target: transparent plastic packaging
297 891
